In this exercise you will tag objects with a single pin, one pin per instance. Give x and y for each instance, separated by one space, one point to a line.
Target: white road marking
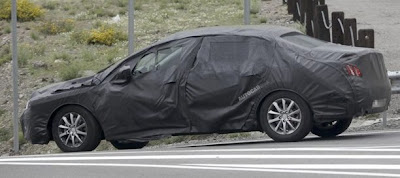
217 156
238 150
208 168
388 148
370 133
383 146
308 166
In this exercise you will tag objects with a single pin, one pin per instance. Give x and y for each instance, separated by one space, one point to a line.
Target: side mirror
123 76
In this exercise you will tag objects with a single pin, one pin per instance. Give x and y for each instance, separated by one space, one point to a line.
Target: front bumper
34 127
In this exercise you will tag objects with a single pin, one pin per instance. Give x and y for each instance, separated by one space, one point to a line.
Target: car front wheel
285 117
127 144
75 129
331 129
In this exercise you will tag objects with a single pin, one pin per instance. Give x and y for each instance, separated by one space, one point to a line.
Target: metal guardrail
394 77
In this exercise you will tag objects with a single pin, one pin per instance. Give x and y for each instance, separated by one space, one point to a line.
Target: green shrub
138 5
5 59
122 11
7 29
5 134
181 7
24 55
21 138
98 24
80 36
26 10
255 7
66 8
111 55
105 35
101 12
69 72
51 5
63 56
2 111
39 50
34 36
263 20
5 54
121 3
56 27
89 55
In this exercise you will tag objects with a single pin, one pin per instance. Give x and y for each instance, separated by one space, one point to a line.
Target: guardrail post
291 6
366 38
350 31
309 7
318 2
246 12
394 77
297 10
337 27
384 119
320 31
14 47
303 9
131 27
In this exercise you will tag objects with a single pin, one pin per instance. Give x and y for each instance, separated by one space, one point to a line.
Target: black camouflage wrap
216 86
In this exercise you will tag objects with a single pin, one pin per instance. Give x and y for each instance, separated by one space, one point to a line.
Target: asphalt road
373 154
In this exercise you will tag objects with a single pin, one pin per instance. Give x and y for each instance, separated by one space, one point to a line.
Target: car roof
267 32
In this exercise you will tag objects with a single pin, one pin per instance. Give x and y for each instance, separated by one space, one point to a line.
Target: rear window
303 40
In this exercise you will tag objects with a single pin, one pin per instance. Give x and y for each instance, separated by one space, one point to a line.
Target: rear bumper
371 107
352 110
361 101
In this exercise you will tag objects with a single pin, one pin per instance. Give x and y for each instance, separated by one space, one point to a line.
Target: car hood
64 86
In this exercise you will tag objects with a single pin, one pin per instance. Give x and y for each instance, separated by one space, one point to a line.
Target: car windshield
303 40
102 73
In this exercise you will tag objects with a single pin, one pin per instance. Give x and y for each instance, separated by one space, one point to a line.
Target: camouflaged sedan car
214 80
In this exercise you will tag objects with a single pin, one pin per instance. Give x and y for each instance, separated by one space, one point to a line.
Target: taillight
353 70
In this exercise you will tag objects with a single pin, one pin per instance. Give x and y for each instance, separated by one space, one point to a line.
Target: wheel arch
54 113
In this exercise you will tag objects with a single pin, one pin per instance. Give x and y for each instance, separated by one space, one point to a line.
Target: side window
168 56
146 63
230 55
163 58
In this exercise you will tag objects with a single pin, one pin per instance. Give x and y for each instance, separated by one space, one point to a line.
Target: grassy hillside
73 38
64 38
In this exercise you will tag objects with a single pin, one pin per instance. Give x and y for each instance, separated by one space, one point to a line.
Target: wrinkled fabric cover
217 86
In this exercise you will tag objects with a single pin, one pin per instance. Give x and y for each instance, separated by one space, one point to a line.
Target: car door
148 104
224 81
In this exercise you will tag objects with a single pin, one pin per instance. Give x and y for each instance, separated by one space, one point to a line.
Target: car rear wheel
285 117
331 129
127 144
75 129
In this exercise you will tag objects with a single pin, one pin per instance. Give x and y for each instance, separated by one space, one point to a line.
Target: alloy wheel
72 130
284 116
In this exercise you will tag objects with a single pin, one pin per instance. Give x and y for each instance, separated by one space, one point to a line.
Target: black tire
331 129
126 144
85 124
299 110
